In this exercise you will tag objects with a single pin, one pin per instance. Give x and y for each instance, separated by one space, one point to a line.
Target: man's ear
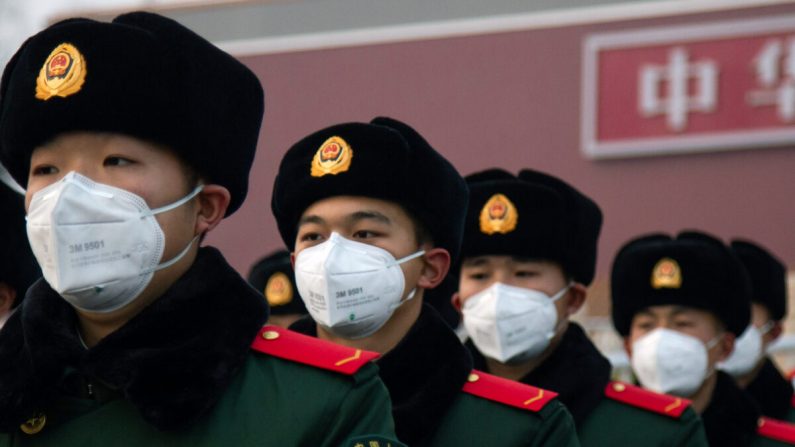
774 332
726 344
577 294
211 207
628 346
456 301
292 260
8 295
436 265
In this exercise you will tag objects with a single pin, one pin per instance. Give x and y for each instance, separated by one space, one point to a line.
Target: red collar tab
775 429
289 345
507 392
635 396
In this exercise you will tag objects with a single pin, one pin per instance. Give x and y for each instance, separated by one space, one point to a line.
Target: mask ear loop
767 327
554 298
413 292
176 204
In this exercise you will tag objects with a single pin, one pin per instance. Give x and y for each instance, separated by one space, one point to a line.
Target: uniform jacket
609 413
181 372
731 417
771 391
427 375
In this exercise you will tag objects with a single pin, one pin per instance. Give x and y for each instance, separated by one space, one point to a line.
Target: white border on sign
716 141
464 27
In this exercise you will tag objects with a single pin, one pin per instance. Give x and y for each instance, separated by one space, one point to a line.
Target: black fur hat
18 267
768 276
142 75
694 270
273 277
532 215
384 159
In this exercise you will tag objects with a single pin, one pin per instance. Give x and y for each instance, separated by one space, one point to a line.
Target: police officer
18 268
135 335
273 276
374 216
753 370
529 253
680 302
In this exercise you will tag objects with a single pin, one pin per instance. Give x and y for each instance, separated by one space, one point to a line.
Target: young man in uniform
528 255
680 302
751 368
374 215
18 268
273 276
135 335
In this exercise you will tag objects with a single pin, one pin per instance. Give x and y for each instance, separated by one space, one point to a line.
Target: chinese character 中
678 101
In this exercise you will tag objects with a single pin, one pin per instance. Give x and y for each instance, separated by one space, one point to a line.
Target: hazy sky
20 19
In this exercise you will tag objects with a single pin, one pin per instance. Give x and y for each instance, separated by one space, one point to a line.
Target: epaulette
775 429
286 344
636 396
508 392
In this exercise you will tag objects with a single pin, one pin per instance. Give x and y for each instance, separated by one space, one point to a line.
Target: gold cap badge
666 274
333 157
279 289
63 73
499 215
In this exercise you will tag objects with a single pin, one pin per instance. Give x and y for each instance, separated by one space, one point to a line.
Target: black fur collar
562 372
771 391
173 361
424 374
731 417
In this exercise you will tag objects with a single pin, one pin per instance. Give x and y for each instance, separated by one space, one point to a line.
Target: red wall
512 100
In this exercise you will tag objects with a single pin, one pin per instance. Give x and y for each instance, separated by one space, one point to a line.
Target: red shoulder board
300 348
506 391
648 400
775 429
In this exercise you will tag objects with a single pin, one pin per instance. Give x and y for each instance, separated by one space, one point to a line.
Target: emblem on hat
498 215
666 274
62 74
279 289
333 157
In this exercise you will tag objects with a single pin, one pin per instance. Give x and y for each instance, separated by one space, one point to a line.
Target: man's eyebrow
314 219
368 215
679 310
477 261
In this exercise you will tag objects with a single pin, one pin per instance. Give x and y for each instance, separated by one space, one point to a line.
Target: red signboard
715 86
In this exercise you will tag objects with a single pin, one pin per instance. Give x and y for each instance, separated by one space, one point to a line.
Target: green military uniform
200 384
610 413
439 400
543 218
695 270
768 388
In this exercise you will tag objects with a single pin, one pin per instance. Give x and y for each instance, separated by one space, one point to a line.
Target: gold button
34 424
619 387
473 377
270 335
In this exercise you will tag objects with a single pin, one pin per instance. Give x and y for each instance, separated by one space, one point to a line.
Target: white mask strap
178 203
562 292
712 343
173 260
409 257
767 327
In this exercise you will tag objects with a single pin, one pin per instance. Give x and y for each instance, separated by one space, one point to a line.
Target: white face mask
671 362
98 246
350 288
747 351
511 324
